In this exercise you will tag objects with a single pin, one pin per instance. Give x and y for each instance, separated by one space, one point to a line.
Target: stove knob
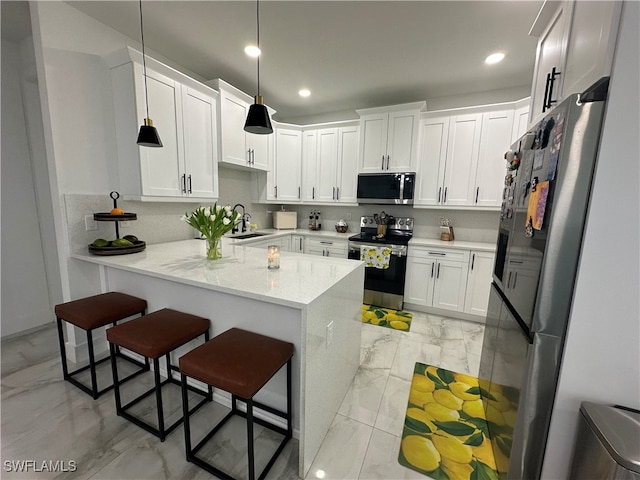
365 220
400 222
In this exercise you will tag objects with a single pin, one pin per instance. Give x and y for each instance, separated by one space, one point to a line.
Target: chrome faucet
244 219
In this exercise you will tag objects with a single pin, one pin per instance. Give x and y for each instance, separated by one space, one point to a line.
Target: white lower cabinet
326 248
297 243
479 282
437 277
283 242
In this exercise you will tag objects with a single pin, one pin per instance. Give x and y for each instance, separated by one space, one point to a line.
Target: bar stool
153 336
241 363
88 314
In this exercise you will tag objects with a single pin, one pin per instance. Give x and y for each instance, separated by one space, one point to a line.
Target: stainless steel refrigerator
545 201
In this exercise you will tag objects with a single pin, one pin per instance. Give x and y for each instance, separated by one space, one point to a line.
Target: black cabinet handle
477 193
554 74
473 261
432 265
546 93
438 275
183 182
439 194
276 187
382 166
337 193
313 193
298 192
190 190
445 195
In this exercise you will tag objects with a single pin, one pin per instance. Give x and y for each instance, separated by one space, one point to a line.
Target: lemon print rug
446 435
387 317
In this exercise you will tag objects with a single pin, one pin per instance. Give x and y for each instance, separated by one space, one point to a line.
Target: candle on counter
273 256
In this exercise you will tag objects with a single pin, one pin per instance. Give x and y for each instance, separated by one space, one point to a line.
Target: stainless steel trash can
608 445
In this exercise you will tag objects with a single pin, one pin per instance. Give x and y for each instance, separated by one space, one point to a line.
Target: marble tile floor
45 418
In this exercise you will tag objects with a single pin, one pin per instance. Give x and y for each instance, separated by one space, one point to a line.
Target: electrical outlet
348 215
90 223
330 333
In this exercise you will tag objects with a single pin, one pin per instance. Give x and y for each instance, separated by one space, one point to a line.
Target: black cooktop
399 238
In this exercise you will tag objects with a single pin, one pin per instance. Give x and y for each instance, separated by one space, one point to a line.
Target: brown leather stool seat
88 314
153 336
240 363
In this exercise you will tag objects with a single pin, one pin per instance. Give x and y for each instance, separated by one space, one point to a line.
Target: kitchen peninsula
313 302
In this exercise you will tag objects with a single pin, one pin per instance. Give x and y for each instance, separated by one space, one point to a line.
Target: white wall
25 293
601 360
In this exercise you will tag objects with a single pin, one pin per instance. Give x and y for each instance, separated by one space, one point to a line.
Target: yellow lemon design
420 452
473 408
484 453
398 325
369 316
455 470
441 413
422 383
452 448
464 378
448 399
418 397
459 389
422 416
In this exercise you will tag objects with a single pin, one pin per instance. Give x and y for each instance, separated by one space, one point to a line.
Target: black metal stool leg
252 467
63 351
156 376
185 416
116 382
92 365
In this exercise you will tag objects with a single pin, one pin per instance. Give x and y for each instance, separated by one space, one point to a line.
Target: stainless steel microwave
386 188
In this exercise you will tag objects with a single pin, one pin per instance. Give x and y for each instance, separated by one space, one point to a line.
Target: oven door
383 287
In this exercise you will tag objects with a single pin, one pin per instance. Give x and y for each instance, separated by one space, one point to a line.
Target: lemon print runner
446 434
387 317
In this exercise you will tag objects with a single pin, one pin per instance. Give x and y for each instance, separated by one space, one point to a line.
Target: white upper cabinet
461 155
434 135
183 110
288 165
495 140
388 138
576 41
592 40
329 164
237 147
462 159
310 179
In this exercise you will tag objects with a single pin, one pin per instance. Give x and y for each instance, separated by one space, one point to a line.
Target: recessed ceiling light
304 92
494 58
252 51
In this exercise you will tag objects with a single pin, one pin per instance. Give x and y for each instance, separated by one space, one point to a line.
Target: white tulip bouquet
212 222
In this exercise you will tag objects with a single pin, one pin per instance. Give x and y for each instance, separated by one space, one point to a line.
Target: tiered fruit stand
138 245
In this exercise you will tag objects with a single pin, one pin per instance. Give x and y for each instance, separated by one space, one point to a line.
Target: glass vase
214 250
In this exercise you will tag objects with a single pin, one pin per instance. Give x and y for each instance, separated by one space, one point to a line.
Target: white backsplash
468 225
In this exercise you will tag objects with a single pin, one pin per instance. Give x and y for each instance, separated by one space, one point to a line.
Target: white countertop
242 271
415 241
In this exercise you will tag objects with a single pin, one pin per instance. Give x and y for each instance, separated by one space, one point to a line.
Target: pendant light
258 120
148 135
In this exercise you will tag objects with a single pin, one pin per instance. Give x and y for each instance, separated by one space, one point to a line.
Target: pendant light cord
257 40
144 63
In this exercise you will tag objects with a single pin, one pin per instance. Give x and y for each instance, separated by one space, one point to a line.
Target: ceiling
350 54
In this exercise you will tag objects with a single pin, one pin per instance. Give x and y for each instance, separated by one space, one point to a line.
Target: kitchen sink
249 235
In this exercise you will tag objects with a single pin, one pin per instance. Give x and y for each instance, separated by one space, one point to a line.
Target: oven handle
396 250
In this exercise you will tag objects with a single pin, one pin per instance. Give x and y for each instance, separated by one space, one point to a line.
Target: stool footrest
144 367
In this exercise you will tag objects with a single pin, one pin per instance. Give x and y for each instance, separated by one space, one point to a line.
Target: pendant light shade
148 135
258 120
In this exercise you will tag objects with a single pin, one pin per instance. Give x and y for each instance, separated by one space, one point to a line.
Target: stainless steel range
383 283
